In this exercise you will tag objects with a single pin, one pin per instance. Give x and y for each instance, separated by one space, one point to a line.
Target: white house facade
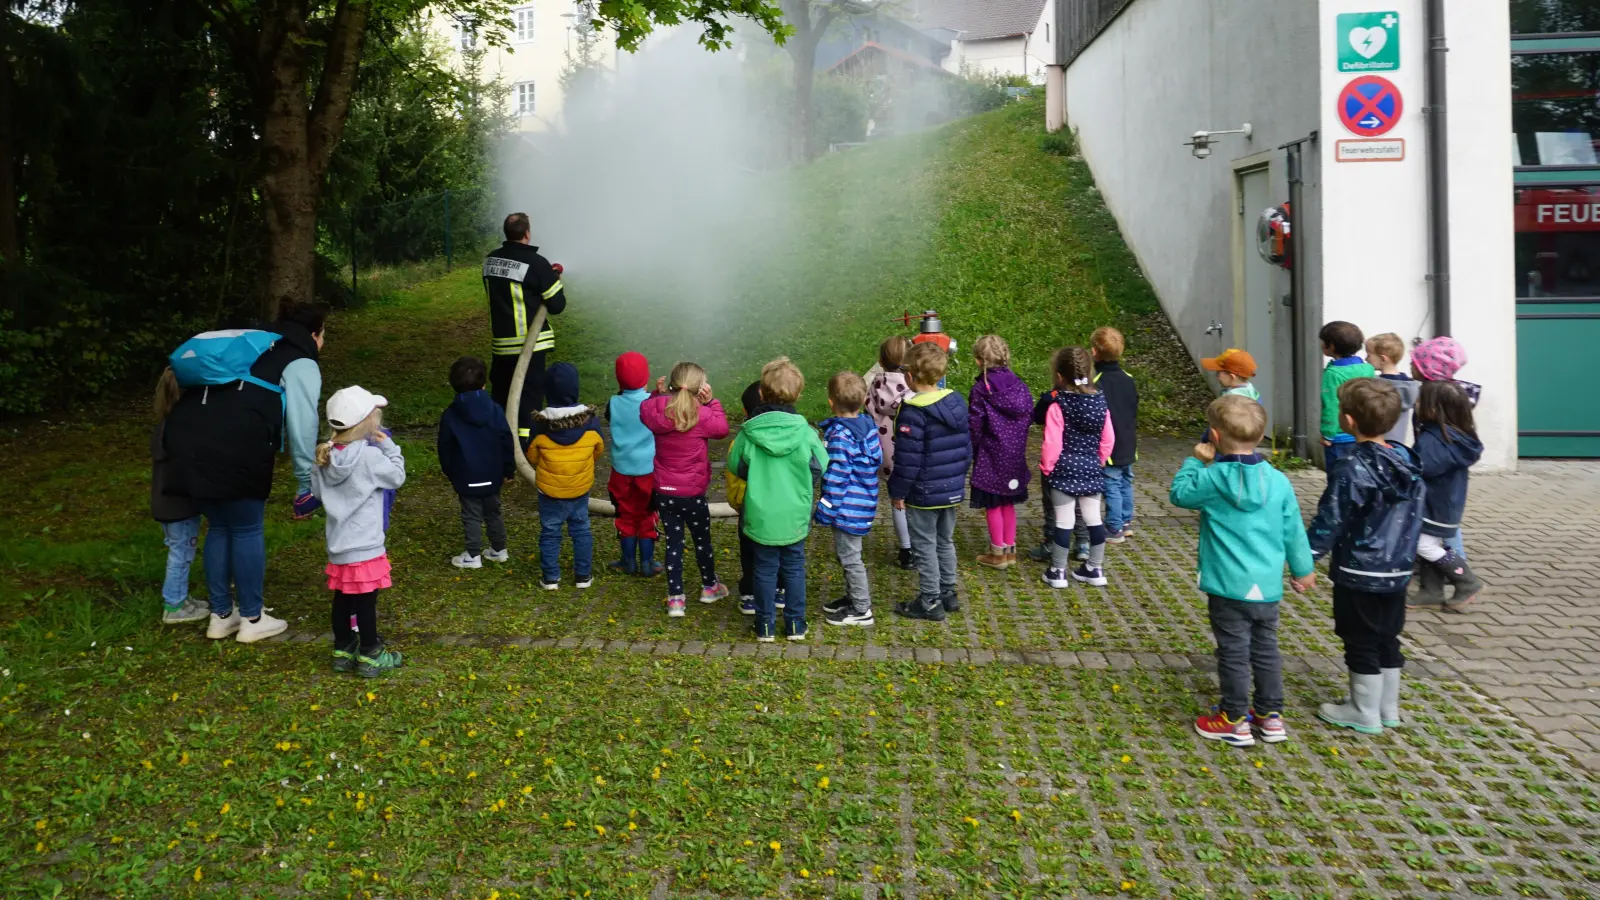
997 37
542 35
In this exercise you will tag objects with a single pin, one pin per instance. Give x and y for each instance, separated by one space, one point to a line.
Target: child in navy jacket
475 448
849 499
1446 446
932 449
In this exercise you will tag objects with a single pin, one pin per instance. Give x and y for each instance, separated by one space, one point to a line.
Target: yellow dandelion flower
1016 815
823 783
599 781
600 830
316 706
1334 750
872 712
819 767
1115 688
749 843
970 821
371 696
1206 769
226 763
633 826
39 847
1126 758
40 825
197 874
655 774
117 839
775 846
226 807
424 743
148 764
1259 764
472 774
999 703
527 789
548 761
805 873
569 824
472 732
280 802
519 732
1126 885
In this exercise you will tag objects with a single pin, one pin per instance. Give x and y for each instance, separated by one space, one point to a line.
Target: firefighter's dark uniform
517 280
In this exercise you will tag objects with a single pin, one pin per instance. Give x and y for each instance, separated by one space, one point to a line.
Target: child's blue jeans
182 539
1119 497
785 566
574 514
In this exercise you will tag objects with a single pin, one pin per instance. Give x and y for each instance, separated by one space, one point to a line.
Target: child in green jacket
778 454
1249 527
1340 342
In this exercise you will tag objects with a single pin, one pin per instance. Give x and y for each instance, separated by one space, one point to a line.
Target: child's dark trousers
1370 626
1247 644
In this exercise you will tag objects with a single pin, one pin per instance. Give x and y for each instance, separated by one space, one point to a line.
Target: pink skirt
359 578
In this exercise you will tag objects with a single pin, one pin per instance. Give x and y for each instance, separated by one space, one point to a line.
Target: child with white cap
354 469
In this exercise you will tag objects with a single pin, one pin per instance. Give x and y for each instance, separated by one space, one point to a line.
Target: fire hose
597 506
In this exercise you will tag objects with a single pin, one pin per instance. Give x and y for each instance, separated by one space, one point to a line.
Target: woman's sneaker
1057 578
371 665
1218 727
1087 575
190 610
263 627
223 626
714 593
1270 727
676 606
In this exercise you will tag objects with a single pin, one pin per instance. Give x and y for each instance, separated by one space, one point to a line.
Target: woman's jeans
182 538
235 554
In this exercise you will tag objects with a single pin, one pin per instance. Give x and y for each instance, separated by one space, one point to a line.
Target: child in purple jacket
999 412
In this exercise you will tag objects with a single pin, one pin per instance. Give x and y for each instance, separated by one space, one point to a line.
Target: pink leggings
1002 525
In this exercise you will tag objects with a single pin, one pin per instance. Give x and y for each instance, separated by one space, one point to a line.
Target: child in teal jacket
1249 528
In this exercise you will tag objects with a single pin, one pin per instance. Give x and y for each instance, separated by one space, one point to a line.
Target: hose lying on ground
597 507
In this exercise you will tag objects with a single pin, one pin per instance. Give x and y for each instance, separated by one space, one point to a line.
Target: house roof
977 20
870 46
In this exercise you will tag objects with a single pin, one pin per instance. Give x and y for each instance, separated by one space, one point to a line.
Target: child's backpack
222 357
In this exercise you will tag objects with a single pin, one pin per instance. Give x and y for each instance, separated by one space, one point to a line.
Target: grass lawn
581 744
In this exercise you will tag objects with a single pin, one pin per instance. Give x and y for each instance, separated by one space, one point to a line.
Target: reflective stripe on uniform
524 432
519 309
554 289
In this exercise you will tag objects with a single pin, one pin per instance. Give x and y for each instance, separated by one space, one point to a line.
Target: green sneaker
375 664
344 658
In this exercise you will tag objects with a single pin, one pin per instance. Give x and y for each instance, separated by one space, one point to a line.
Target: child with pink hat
1439 359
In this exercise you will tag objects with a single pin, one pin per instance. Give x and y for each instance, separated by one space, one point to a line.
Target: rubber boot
626 563
648 567
1389 705
1454 569
1359 711
1430 594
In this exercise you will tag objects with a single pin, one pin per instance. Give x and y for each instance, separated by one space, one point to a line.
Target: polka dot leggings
677 512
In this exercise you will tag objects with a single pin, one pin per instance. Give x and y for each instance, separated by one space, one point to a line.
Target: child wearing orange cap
1234 368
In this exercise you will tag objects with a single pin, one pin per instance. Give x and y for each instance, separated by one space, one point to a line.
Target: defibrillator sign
1368 42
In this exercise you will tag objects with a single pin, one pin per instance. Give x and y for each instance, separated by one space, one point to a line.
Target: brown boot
994 559
1010 555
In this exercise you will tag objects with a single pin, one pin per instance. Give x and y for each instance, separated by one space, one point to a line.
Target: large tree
301 59
809 20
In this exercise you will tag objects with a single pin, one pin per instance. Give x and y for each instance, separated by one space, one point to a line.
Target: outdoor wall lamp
1202 140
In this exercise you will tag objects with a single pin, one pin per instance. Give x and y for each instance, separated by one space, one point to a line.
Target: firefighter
517 280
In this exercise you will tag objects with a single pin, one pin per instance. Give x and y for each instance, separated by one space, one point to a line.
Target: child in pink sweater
1078 439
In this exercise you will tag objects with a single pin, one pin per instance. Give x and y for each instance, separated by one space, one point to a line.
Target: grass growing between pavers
556 773
148 762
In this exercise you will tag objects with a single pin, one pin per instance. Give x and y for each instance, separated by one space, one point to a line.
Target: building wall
1025 55
1163 70
1166 68
538 61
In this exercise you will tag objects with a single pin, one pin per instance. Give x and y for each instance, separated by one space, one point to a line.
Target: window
522 98
466 34
1554 112
522 18
1047 32
1558 242
1554 16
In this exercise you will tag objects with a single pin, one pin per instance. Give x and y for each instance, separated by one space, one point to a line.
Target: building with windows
1436 160
995 37
542 37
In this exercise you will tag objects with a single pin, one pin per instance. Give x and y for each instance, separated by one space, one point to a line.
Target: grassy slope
970 220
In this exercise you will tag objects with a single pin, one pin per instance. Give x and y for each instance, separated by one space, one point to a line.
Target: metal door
1256 331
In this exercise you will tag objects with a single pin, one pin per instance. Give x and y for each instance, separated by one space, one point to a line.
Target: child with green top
1249 529
1340 342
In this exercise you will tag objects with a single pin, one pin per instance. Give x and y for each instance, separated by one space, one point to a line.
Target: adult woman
224 439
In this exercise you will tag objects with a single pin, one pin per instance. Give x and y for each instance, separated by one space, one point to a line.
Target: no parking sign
1370 105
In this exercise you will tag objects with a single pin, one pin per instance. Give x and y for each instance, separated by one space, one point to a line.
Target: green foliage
842 107
1059 143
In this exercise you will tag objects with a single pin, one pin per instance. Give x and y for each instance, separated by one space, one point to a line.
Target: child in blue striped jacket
849 499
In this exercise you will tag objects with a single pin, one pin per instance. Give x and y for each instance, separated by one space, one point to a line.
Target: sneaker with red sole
1269 728
1218 727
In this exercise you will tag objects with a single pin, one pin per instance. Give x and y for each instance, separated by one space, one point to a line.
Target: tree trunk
10 242
805 73
297 142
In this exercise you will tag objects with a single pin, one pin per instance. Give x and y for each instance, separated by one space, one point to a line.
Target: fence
1081 21
457 222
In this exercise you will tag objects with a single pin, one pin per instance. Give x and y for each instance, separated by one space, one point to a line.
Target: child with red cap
633 462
